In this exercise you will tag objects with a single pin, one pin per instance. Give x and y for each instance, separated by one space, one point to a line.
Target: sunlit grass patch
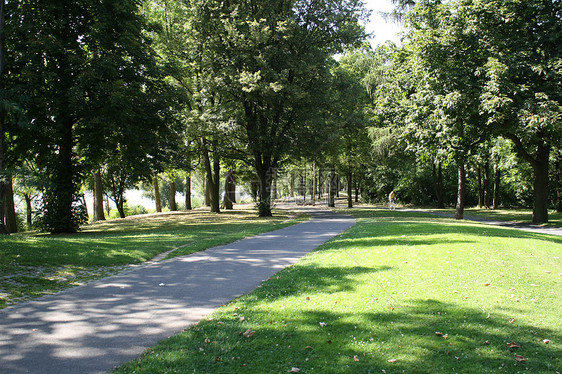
398 292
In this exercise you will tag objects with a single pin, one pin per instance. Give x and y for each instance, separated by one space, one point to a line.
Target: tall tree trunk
229 190
332 187
274 186
314 183
540 193
356 191
212 171
292 185
188 205
28 211
438 185
264 169
62 195
157 194
3 228
459 211
487 184
558 180
11 218
173 204
349 187
540 165
98 197
480 191
497 174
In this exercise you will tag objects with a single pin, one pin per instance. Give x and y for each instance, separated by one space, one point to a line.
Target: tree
82 63
523 96
269 58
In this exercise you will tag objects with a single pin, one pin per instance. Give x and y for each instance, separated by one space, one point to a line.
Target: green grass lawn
34 264
397 293
513 215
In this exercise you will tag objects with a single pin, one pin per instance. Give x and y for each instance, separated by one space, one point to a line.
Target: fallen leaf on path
520 358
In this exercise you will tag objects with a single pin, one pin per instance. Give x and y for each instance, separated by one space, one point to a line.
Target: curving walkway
93 328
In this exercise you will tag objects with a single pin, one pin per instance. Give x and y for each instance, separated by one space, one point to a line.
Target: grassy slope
382 291
35 264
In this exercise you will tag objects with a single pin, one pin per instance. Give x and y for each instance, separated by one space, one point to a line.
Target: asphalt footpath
98 326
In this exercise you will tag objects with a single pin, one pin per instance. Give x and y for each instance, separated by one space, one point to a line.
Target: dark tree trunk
349 191
98 197
265 169
173 204
356 191
459 211
64 189
292 185
486 186
229 190
28 211
540 164
438 185
496 201
274 186
188 205
212 171
157 194
118 192
332 187
11 219
314 183
540 193
480 191
558 180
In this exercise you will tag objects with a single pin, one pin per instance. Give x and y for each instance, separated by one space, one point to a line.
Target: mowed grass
34 264
512 215
397 293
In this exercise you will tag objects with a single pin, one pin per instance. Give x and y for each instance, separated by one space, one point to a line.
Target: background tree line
111 95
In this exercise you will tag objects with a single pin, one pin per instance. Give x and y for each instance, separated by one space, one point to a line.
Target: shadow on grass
467 342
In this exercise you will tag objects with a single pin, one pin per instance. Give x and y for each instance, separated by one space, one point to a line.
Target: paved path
93 328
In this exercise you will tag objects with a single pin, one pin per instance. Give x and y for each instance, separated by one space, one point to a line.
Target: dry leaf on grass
249 333
520 358
355 358
294 370
513 345
392 360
